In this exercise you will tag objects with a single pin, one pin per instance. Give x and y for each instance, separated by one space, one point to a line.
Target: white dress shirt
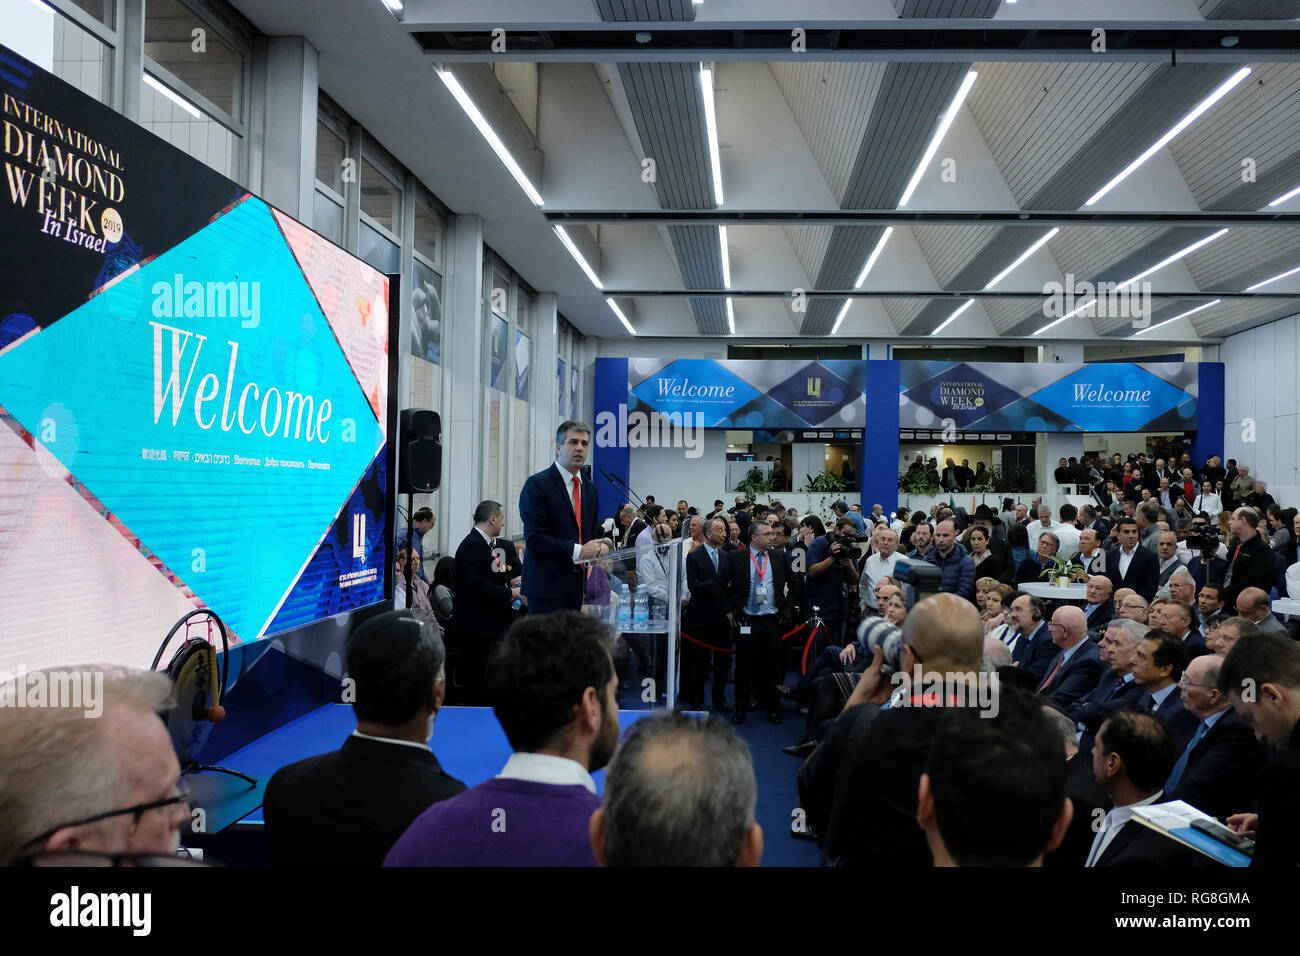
546 768
1069 536
652 567
1114 821
873 569
568 487
1125 559
1211 504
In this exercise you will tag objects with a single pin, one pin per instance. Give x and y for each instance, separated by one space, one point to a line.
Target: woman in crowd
989 600
1003 630
1208 501
1127 479
1279 527
1018 542
986 563
420 605
444 573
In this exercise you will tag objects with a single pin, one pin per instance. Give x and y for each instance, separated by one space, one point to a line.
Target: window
331 150
381 200
102 10
429 232
195 53
82 59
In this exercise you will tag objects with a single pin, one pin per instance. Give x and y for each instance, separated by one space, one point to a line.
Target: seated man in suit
1131 565
1034 649
552 684
1269 666
1077 666
1209 606
706 621
559 511
993 790
679 792
1253 604
1178 619
1131 759
347 808
1216 771
1158 665
1116 689
1091 557
1099 608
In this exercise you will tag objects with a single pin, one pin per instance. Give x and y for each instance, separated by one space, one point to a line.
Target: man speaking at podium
559 512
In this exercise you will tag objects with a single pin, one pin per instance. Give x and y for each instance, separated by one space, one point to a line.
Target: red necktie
1051 675
577 505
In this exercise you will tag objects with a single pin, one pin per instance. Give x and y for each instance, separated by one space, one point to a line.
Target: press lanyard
761 571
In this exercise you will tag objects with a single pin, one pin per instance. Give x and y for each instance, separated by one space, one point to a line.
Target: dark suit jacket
482 594
731 587
550 532
1203 574
1277 841
1101 615
1086 795
1096 705
1219 778
1143 571
1180 722
1253 568
347 808
1138 846
1034 652
1076 677
703 612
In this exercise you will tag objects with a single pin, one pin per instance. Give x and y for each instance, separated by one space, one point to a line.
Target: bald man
874 811
1253 605
1077 667
1099 608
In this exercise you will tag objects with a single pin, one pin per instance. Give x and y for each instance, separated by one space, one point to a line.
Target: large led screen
193 395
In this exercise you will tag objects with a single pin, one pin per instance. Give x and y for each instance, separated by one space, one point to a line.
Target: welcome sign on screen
206 427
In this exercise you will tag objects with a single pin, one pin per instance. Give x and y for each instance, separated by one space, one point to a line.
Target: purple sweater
502 823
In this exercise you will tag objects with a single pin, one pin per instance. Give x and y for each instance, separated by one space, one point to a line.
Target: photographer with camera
831 567
1206 555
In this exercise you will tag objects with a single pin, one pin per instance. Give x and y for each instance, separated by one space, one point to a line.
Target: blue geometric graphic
1120 398
695 385
815 393
227 442
961 393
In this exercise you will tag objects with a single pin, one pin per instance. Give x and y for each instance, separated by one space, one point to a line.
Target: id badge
760 594
744 629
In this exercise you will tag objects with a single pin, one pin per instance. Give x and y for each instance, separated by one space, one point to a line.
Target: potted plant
827 484
1058 572
753 484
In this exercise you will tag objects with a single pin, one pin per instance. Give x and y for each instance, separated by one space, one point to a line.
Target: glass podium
638 593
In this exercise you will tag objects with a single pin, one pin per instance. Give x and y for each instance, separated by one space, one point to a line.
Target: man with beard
552 685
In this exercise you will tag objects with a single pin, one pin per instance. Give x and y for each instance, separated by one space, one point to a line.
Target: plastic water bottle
641 614
624 608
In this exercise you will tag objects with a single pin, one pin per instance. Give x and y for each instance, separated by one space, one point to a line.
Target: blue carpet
471 747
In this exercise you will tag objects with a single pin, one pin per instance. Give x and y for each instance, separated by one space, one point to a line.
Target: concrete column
289 130
463 426
1053 446
546 392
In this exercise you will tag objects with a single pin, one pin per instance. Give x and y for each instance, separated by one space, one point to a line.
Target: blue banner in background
1050 397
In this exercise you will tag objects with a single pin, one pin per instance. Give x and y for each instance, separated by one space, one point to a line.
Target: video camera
850 543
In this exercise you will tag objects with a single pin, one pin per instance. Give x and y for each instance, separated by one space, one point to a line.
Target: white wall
1262 387
669 475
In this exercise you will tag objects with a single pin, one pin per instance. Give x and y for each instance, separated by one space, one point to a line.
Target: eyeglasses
138 811
1184 682
85 858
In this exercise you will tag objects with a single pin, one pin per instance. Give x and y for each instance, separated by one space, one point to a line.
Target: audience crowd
1039 730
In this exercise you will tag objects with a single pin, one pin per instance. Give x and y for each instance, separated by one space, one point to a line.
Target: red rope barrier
719 650
803 666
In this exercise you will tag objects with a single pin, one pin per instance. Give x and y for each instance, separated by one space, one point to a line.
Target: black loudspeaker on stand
419 464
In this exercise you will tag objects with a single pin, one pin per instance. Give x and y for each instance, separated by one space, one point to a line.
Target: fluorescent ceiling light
489 134
1285 196
1181 315
1257 285
1182 124
621 317
726 259
840 318
711 126
871 260
946 322
394 5
1141 275
573 251
43 7
172 95
731 317
939 134
1023 256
